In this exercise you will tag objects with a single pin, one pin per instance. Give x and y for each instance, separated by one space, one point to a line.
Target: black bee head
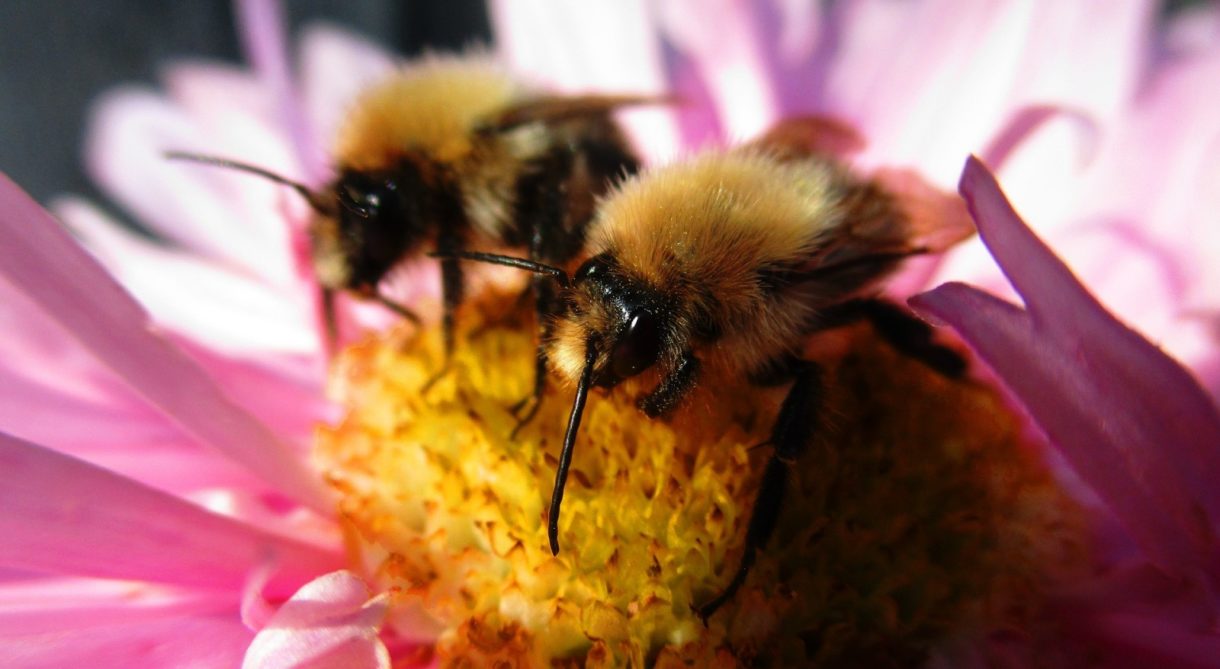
377 221
626 319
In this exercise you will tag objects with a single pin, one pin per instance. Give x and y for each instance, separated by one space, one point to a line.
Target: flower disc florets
917 516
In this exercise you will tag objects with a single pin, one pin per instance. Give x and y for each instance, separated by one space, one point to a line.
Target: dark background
57 56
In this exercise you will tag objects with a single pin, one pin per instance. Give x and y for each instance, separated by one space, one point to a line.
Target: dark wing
891 217
804 136
554 109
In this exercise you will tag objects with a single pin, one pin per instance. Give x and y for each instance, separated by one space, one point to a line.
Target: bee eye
365 199
638 347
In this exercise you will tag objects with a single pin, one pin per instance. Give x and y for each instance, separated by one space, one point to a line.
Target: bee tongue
569 440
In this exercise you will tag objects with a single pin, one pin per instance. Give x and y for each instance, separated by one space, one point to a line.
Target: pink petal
335 67
66 516
1130 420
591 46
262 29
1025 121
208 210
227 310
71 287
330 622
930 82
203 641
55 604
726 48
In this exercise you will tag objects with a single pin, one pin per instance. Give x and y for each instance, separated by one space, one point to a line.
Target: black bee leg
451 297
534 399
673 387
397 308
794 427
330 322
902 330
545 299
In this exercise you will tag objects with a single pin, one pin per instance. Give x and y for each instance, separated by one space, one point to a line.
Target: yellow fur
429 107
701 231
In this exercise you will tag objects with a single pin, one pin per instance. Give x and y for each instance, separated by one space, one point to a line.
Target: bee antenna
216 161
508 261
569 440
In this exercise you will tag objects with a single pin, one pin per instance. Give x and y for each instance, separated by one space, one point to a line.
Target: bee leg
396 307
534 399
451 297
673 387
902 330
543 240
794 427
330 321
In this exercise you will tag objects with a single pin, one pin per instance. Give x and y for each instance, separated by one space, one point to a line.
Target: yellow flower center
917 516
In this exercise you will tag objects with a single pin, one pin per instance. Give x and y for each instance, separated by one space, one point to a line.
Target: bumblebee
450 153
725 266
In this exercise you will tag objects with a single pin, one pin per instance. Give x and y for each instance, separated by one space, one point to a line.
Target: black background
58 56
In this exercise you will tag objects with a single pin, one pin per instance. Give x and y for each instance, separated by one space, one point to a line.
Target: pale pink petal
262 29
600 45
1132 422
330 622
216 306
208 213
930 82
336 66
63 515
726 45
202 642
37 256
1174 197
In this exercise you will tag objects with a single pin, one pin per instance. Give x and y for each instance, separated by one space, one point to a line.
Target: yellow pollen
917 516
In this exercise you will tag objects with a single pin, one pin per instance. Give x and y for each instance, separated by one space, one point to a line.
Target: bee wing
553 109
803 136
893 216
935 219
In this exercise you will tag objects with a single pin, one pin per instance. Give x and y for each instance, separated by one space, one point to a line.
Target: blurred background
57 57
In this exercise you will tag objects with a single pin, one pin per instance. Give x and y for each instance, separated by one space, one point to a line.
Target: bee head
374 222
623 320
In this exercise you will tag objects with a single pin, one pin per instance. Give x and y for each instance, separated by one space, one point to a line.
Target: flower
164 553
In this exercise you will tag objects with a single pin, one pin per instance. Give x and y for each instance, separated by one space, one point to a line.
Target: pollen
920 515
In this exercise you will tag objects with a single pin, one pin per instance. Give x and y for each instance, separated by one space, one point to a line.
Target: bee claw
522 421
440 374
702 612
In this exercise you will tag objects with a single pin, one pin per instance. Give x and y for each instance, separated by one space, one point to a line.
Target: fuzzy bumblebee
918 514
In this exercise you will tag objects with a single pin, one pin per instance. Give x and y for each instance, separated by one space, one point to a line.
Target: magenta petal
1132 422
40 259
1169 414
330 622
170 643
67 516
1060 398
1123 640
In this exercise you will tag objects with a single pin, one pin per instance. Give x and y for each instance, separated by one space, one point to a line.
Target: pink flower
160 511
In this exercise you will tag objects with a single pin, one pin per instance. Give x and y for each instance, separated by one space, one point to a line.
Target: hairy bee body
729 244
452 152
723 266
